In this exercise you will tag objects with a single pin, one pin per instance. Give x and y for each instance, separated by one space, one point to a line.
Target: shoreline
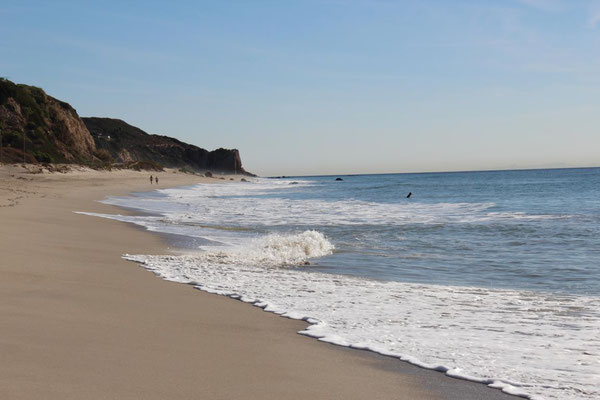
80 322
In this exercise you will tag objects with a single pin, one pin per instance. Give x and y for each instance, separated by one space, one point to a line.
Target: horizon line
434 172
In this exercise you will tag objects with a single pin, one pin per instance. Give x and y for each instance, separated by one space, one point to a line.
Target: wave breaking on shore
417 280
460 331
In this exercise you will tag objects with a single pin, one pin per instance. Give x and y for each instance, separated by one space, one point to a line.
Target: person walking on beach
156 179
151 179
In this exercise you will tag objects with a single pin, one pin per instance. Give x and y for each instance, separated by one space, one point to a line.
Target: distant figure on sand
156 179
151 179
409 194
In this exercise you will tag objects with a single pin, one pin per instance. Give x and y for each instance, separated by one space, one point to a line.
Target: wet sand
79 322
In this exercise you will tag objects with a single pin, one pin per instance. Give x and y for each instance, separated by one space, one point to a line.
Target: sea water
488 276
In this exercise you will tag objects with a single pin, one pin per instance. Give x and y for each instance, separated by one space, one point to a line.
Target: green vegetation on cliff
36 127
48 129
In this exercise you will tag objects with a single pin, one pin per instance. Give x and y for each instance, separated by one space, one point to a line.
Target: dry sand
79 322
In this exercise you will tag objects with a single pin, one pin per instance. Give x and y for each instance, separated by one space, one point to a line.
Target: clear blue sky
328 86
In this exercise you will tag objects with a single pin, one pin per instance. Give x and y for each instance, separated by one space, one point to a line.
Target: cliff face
50 129
36 127
128 143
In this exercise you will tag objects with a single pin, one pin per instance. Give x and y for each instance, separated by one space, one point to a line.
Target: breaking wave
460 331
273 250
504 288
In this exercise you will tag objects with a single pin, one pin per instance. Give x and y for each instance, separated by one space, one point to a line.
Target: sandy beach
79 322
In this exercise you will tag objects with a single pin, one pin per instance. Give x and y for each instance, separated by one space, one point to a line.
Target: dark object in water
338 179
409 194
243 180
293 183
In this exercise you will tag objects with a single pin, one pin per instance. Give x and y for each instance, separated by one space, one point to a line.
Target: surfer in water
409 194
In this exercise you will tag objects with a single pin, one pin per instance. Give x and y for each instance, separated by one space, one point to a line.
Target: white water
242 209
522 342
535 344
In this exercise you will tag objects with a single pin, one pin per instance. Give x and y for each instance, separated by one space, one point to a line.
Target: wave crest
273 250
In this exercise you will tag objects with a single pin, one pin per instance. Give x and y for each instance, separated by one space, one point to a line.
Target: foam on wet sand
80 322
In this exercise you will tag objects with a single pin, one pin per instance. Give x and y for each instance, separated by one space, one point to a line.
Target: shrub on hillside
42 157
103 155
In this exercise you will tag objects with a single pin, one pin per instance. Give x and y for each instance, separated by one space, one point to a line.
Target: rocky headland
38 128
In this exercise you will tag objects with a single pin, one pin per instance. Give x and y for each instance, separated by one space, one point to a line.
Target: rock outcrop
35 127
125 142
48 129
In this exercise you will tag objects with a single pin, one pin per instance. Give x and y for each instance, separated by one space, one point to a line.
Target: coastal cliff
126 143
47 129
38 128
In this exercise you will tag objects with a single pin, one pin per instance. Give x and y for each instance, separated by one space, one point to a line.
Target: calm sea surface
488 276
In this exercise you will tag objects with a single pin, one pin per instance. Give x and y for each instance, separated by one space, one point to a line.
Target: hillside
37 128
127 143
48 129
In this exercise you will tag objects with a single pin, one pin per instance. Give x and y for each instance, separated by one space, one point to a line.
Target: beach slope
79 322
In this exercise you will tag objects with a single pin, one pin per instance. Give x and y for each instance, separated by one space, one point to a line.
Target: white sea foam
531 344
527 343
237 205
274 250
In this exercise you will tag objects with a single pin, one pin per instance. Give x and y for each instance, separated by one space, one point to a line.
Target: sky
304 87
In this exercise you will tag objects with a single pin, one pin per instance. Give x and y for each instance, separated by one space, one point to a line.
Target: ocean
489 276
